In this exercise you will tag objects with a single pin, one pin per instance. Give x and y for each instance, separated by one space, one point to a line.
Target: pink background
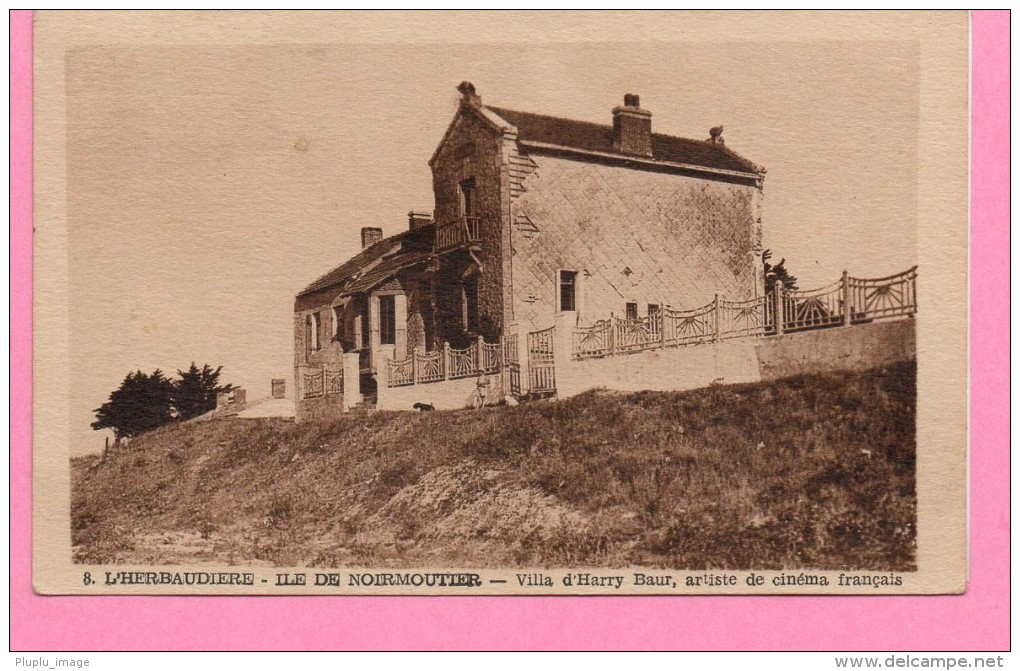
978 620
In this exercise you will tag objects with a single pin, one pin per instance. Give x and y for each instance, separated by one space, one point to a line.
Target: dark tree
140 404
776 272
195 391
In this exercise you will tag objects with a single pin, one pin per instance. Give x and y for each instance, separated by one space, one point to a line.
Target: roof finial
716 135
468 95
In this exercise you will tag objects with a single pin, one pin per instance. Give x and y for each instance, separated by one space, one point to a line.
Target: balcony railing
464 231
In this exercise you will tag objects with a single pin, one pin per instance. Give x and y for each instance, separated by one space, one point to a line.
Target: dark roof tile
385 270
355 265
588 136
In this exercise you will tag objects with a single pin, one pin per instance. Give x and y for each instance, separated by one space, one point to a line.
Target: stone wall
669 369
632 236
323 407
473 150
839 348
446 395
737 361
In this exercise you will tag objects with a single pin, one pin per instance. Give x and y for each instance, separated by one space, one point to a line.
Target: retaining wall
322 407
445 395
839 348
668 369
747 360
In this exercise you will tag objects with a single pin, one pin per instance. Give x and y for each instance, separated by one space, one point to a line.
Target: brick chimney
279 387
370 236
632 127
416 220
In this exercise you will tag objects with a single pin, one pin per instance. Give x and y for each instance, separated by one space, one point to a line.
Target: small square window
631 311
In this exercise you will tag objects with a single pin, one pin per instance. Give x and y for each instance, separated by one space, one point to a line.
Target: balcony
465 232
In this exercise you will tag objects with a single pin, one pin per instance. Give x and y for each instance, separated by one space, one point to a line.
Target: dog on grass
424 407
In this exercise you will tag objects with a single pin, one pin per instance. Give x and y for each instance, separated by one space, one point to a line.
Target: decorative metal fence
688 327
400 373
541 362
848 301
492 356
512 364
741 319
334 382
463 362
323 382
816 308
883 297
595 340
637 334
465 230
451 364
314 385
429 367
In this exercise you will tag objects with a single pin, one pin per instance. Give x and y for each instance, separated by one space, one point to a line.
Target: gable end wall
633 236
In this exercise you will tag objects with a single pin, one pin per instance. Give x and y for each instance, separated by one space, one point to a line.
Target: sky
208 184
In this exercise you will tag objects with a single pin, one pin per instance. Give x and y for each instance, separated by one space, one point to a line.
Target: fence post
480 355
612 334
414 366
352 380
502 365
847 311
662 323
717 322
446 361
777 306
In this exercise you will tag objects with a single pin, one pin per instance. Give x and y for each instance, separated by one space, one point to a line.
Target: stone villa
538 221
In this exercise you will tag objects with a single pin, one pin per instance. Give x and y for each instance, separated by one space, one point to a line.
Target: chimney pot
468 93
370 236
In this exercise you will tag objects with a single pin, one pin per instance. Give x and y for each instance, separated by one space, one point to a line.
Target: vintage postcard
500 303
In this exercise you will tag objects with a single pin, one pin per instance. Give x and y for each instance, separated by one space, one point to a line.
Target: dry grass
808 472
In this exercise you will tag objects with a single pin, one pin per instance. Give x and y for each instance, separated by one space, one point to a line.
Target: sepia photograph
500 315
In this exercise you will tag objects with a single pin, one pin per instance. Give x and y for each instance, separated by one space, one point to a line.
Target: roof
595 137
377 262
385 270
347 270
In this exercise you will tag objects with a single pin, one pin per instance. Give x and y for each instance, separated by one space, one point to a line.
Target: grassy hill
813 471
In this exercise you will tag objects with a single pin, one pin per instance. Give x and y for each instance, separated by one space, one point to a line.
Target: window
338 322
631 311
314 345
653 309
469 304
568 291
467 198
360 333
387 320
